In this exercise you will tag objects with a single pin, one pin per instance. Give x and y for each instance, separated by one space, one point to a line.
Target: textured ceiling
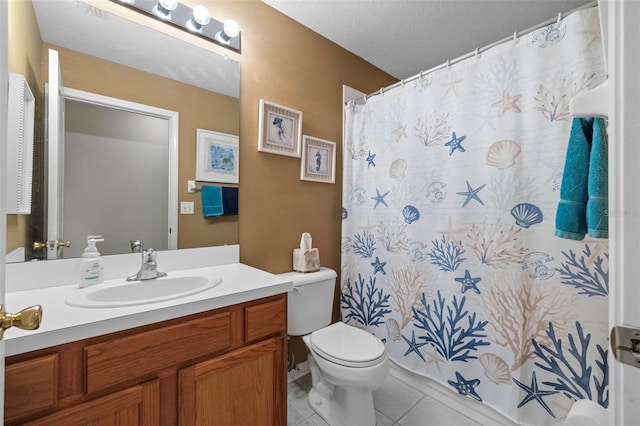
406 37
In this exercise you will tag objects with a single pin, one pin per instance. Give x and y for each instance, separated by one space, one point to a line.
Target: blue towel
230 201
583 195
598 204
211 200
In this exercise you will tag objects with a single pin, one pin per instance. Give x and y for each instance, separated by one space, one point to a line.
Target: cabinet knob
27 319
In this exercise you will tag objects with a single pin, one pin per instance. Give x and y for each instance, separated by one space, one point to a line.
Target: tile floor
397 404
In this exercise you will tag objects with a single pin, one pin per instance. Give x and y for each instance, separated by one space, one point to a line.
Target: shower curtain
451 185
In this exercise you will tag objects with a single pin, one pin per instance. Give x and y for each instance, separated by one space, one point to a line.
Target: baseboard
299 370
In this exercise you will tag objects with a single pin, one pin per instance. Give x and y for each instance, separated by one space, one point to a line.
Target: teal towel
211 200
598 204
583 195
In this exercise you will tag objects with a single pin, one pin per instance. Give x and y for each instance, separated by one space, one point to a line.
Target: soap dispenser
91 270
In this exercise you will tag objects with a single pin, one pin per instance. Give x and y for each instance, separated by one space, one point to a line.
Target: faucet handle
136 246
149 255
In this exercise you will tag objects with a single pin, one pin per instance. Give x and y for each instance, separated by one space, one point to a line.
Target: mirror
103 53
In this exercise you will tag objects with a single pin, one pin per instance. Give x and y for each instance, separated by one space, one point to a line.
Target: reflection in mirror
105 54
116 162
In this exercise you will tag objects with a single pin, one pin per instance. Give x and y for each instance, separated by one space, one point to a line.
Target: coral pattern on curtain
451 184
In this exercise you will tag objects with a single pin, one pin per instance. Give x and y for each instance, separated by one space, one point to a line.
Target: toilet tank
310 303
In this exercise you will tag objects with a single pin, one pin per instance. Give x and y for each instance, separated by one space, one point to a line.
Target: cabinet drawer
30 386
124 359
265 319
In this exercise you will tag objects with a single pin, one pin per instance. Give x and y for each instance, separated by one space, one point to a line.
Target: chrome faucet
149 268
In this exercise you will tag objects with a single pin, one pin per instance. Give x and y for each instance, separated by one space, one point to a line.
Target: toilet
346 363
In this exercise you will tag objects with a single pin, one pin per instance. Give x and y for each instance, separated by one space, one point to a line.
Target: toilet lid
347 345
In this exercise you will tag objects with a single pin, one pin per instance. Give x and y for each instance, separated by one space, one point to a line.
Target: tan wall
286 63
25 50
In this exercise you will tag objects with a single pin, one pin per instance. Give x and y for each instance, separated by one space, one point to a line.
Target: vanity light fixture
197 21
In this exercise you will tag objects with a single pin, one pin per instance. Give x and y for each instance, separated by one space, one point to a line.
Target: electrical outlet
186 207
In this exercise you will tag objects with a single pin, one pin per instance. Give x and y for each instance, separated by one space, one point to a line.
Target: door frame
172 118
4 89
623 60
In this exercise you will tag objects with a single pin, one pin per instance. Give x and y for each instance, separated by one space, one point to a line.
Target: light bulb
231 29
201 17
168 4
164 7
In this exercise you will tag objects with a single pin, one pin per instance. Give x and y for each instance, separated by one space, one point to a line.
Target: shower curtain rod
476 52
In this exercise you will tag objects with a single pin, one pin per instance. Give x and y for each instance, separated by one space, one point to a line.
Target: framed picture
318 160
217 157
279 129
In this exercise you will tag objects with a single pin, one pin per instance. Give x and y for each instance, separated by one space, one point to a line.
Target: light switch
186 207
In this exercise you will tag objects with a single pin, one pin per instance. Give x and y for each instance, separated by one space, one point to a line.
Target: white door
4 85
55 157
624 200
33 315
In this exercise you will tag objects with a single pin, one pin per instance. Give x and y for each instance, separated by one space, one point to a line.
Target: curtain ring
515 38
477 52
559 19
402 83
449 64
365 99
381 91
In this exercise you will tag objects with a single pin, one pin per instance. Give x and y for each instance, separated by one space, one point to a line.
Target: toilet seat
348 346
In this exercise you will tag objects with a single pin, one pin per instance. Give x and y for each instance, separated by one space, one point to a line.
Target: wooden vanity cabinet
222 367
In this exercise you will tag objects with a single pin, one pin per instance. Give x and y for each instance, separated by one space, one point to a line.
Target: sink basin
117 293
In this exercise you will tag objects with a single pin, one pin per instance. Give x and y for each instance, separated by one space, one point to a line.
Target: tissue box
306 260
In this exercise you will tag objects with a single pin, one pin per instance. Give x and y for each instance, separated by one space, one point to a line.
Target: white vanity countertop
62 323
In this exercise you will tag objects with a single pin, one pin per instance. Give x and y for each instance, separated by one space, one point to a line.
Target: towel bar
192 187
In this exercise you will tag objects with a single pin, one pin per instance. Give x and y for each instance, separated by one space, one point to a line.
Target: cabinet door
135 406
30 386
242 387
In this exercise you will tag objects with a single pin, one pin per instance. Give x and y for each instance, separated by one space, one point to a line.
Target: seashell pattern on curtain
450 188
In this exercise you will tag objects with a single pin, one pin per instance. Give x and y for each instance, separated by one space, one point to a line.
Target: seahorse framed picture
217 157
279 129
318 160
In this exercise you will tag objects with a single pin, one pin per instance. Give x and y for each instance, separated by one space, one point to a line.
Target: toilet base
346 408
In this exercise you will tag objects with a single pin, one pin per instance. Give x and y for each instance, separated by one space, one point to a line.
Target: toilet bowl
346 363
